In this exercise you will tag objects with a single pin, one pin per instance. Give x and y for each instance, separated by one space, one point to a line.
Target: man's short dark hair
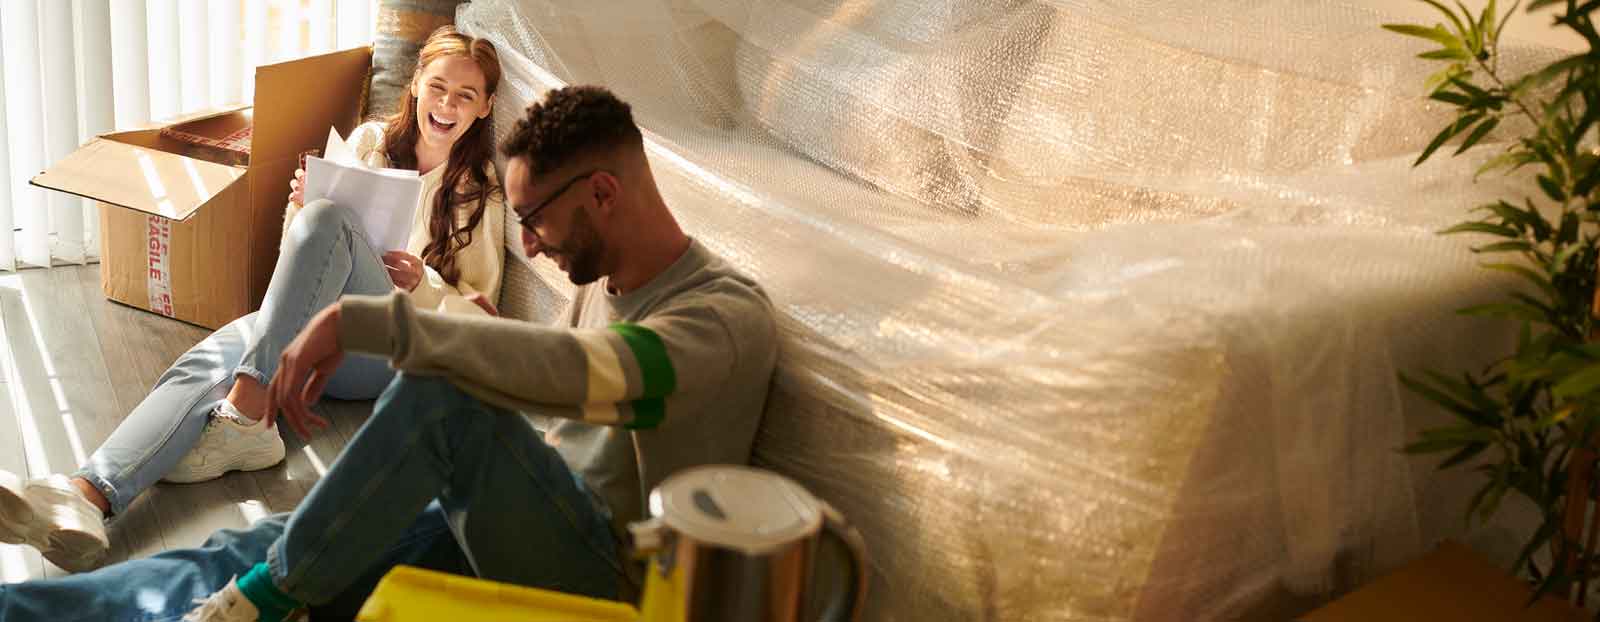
571 122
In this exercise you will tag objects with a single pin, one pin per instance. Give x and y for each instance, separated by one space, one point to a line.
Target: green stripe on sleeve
647 413
655 368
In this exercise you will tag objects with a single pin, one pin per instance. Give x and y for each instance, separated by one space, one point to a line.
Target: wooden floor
72 364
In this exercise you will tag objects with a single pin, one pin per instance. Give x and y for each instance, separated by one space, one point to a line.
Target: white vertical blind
92 31
166 98
319 17
357 23
65 215
25 120
255 43
130 63
194 61
8 249
224 54
76 69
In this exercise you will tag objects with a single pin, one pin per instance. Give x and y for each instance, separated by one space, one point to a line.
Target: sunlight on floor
13 567
252 511
316 462
32 444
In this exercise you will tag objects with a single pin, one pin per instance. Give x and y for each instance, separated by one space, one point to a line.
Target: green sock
257 586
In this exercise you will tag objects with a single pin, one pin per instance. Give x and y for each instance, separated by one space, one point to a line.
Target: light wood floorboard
73 365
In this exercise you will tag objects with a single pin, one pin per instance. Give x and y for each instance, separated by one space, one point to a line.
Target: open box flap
139 178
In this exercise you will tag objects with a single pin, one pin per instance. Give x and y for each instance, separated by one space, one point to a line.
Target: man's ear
605 192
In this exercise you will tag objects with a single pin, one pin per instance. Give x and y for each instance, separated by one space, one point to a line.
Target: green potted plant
1529 421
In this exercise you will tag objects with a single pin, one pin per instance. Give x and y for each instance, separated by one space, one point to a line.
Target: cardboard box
187 231
1451 583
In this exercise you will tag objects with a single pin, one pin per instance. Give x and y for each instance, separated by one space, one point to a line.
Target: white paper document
384 200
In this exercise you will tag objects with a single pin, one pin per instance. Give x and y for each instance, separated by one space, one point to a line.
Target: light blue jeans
431 461
324 257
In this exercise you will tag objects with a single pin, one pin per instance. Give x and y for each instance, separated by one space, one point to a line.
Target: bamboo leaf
1501 27
1580 384
1449 14
1528 274
1486 23
1447 54
1505 310
1554 418
1510 158
1465 412
1469 88
1451 97
1534 303
1437 34
1482 227
1552 189
1506 247
1472 139
1569 229
1549 72
1470 391
1560 260
1540 537
1445 134
1587 182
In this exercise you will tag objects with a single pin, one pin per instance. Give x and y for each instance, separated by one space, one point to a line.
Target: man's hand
483 303
304 370
405 269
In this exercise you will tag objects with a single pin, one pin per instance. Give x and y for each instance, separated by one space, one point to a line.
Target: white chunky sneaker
50 514
225 605
230 442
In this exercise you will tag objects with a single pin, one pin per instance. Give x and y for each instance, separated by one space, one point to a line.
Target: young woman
207 414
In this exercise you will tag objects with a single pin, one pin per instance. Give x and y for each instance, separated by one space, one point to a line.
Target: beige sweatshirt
479 262
631 388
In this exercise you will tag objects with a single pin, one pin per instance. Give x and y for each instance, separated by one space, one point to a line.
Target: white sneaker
230 442
50 514
225 605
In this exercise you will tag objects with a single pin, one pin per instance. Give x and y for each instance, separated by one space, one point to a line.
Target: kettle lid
736 507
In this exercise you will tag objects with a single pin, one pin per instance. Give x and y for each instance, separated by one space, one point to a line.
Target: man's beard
583 265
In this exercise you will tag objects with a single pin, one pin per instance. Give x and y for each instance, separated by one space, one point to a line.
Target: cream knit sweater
479 263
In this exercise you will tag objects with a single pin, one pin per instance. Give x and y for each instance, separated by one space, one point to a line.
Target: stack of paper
385 200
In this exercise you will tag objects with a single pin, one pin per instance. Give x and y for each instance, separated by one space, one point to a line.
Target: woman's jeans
323 257
434 478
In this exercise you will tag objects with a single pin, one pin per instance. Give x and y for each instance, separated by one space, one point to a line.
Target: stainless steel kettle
734 543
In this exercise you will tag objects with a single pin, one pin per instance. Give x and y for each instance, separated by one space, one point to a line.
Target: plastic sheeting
1093 308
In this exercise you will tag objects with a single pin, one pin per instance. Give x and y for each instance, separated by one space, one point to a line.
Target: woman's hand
297 188
405 269
483 303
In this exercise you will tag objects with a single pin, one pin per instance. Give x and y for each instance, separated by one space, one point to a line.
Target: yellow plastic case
409 594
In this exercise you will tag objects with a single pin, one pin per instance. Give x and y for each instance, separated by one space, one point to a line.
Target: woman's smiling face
451 95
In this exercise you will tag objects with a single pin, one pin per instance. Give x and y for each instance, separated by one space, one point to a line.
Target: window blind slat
130 64
193 55
355 23
255 45
25 120
225 47
8 250
58 56
165 79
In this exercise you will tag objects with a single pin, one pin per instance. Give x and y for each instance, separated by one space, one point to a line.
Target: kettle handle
847 606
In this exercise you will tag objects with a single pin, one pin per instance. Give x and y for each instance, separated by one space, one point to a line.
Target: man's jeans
164 587
324 257
514 508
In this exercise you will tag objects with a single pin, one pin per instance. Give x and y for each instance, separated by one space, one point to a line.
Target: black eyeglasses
527 220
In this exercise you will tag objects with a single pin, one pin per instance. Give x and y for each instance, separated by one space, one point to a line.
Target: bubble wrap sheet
1092 308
